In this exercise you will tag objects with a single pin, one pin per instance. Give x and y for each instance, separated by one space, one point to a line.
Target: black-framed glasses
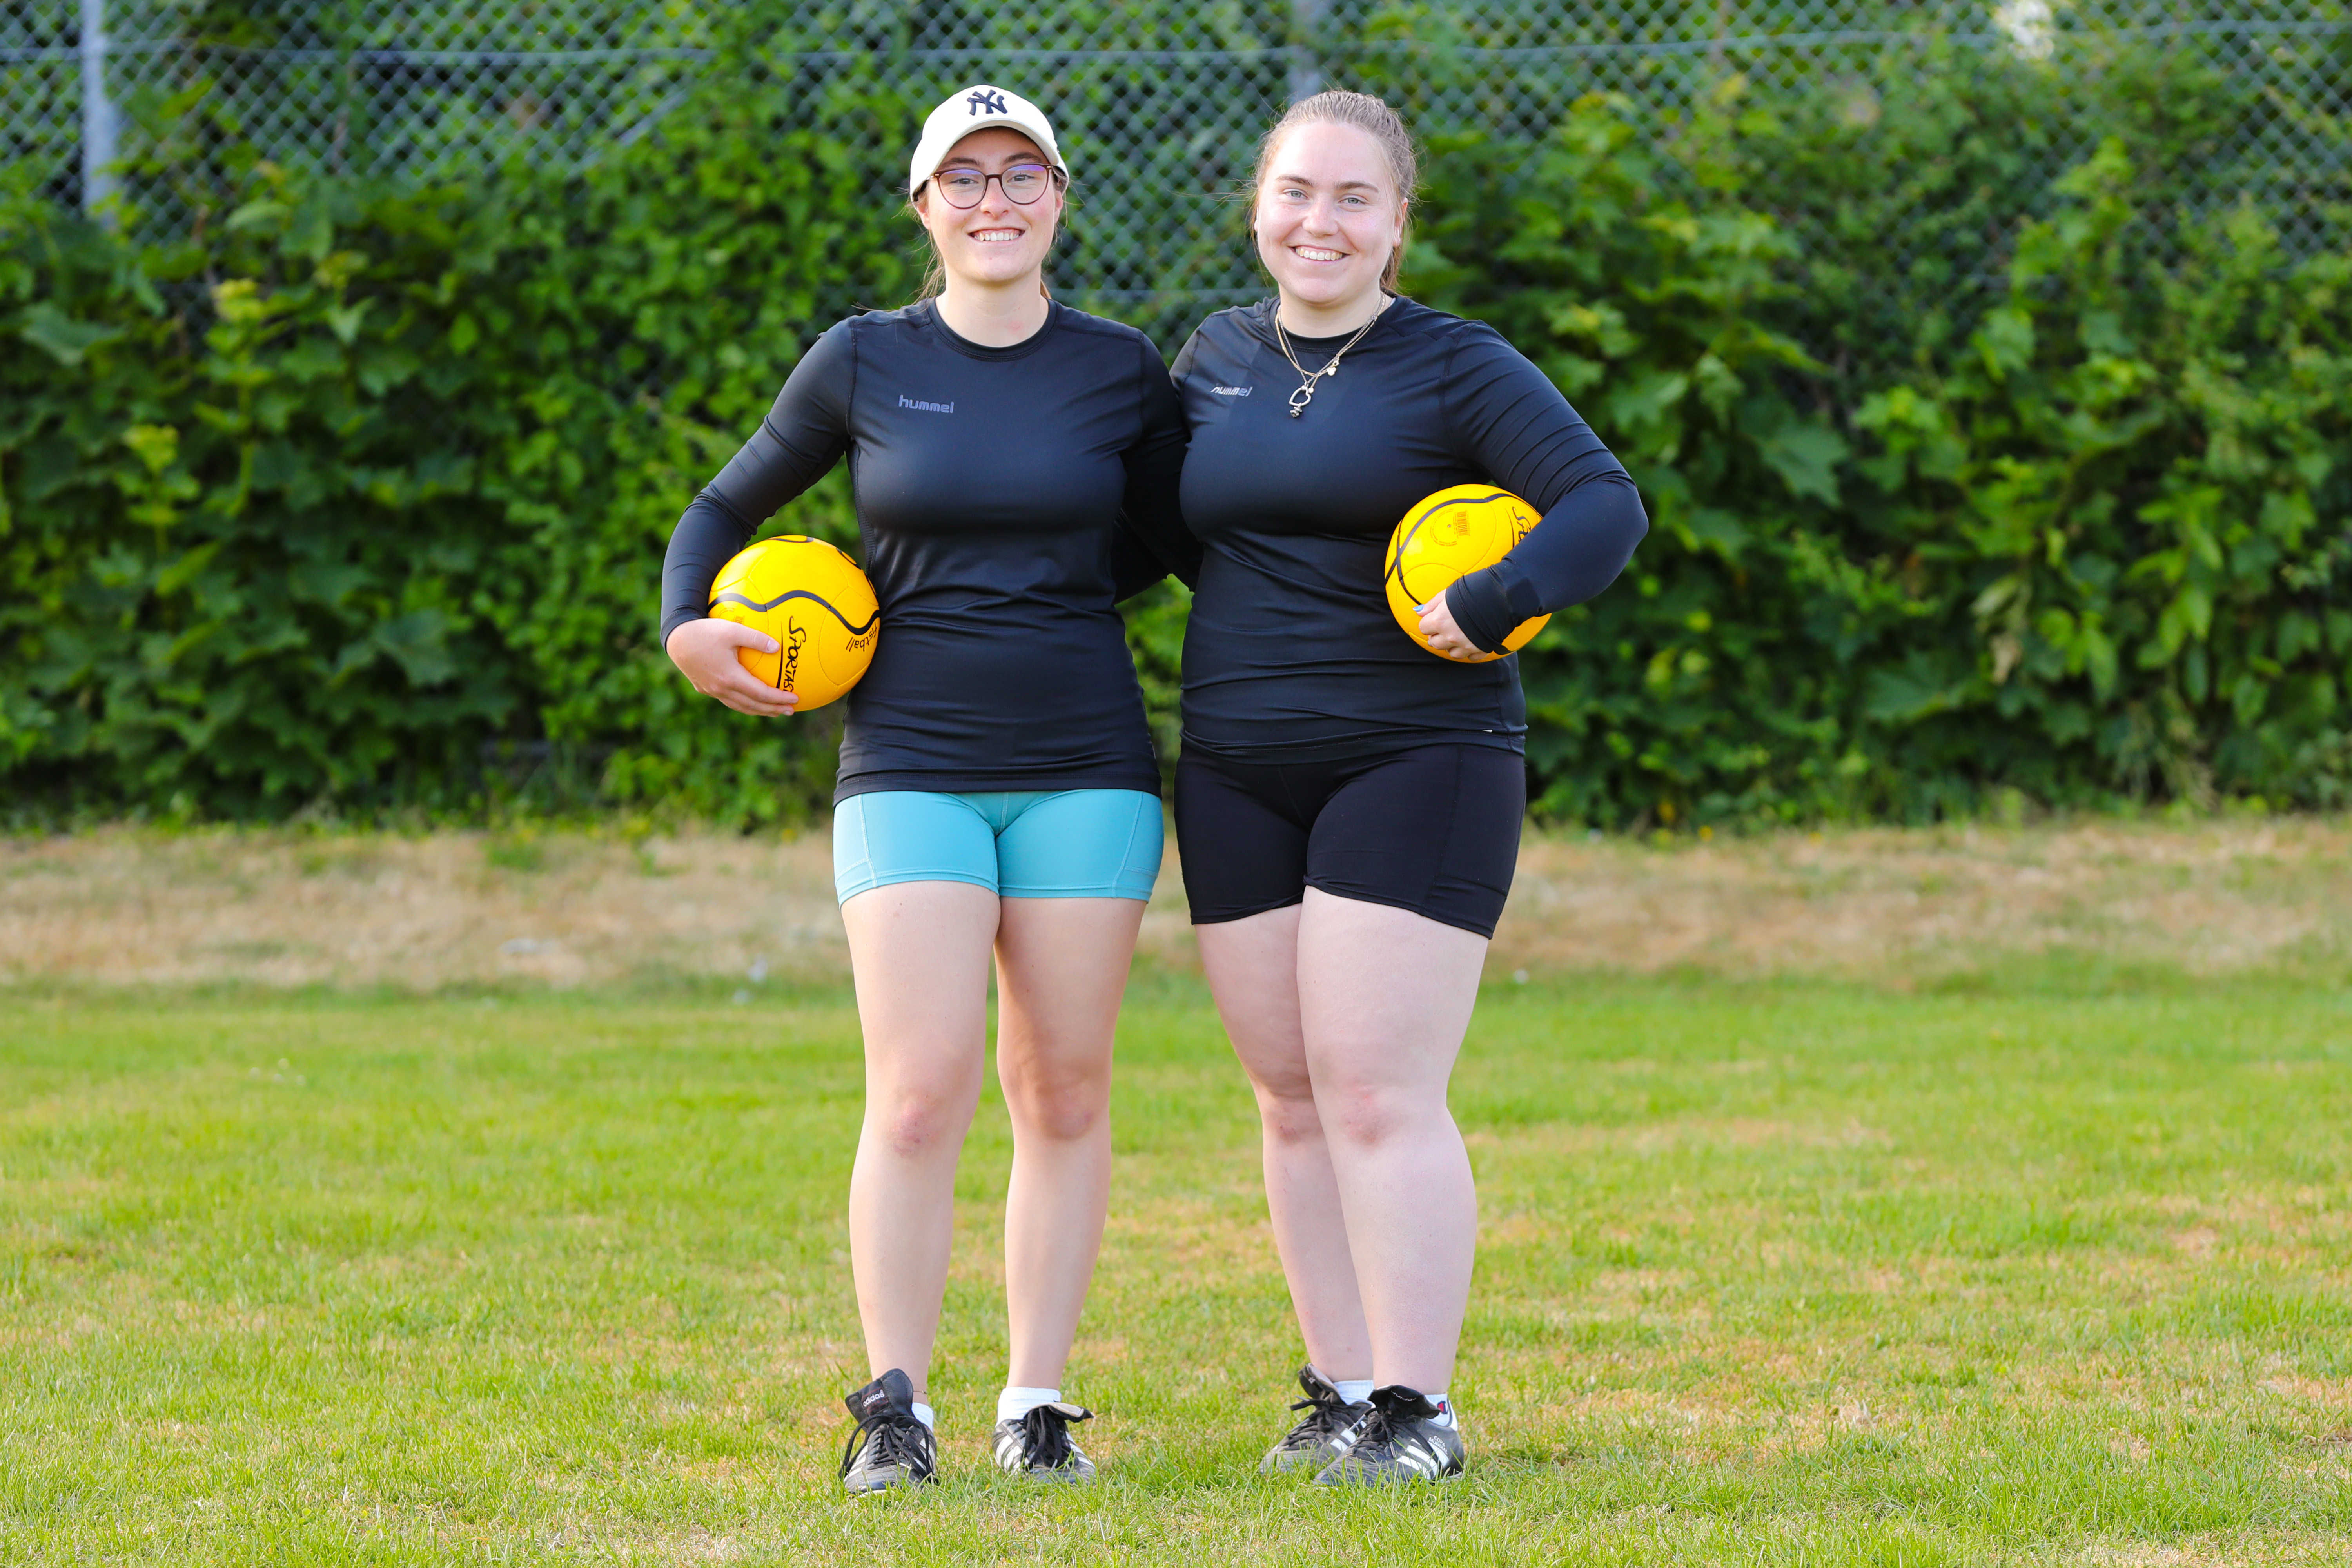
1022 184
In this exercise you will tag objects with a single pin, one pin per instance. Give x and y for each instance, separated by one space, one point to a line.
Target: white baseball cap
979 108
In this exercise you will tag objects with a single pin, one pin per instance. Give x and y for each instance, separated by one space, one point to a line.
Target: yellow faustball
815 602
1446 536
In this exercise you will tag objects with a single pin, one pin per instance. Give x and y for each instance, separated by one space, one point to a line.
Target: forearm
1579 548
1139 559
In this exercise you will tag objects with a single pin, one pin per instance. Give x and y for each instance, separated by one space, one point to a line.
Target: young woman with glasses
1014 465
1348 806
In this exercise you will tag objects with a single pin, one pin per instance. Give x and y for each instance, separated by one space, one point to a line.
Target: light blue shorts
1033 844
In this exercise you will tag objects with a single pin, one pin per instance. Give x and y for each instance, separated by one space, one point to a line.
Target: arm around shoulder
1151 540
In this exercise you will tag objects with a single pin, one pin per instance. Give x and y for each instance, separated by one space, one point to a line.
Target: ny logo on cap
986 102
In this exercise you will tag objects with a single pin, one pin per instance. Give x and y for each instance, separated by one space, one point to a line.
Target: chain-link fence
1159 100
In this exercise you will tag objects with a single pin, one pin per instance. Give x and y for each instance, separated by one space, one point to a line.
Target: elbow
1633 519
1612 523
1626 524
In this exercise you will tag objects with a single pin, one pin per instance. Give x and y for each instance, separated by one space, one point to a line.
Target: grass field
2039 1262
1769 1275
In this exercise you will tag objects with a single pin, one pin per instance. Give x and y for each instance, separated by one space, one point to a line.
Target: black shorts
1435 829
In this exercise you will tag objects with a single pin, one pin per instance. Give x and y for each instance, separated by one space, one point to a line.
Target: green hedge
315 508
2089 546
318 508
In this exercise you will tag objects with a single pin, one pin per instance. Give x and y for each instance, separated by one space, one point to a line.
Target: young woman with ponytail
1348 806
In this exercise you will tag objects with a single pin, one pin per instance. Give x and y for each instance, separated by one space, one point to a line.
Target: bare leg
1061 966
1252 969
1384 998
920 951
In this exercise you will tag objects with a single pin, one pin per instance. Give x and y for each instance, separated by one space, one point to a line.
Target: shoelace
1388 1420
1379 1430
897 1439
1330 1410
1046 1435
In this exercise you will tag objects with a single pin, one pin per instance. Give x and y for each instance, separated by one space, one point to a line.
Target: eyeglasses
1022 183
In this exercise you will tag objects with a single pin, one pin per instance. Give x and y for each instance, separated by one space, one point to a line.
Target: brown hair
935 273
1367 114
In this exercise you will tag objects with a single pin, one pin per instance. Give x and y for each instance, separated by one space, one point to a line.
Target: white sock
923 1413
1445 1416
1014 1402
1354 1390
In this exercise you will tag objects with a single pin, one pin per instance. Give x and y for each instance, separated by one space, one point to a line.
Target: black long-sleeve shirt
1005 498
1291 652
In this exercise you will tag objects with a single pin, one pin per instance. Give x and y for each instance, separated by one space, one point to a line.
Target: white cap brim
979 108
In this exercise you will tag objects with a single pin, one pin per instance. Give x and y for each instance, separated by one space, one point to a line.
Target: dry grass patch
567 908
2209 899
127 906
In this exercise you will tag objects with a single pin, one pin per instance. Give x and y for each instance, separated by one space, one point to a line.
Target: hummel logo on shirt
1233 391
907 402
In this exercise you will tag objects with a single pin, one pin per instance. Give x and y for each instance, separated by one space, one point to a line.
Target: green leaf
343 320
1806 454
1711 528
2099 660
157 445
1916 690
2006 341
417 642
63 338
312 233
328 582
258 215
183 570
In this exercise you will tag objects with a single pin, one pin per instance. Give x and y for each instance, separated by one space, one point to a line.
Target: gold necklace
1308 380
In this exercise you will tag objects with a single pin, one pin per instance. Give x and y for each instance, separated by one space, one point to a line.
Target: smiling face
1328 215
1000 241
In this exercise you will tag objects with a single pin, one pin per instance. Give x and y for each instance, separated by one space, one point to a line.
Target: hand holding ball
816 606
1448 535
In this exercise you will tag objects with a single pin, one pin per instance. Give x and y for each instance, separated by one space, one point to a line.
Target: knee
916 1121
1366 1116
1065 1118
1061 1110
1288 1112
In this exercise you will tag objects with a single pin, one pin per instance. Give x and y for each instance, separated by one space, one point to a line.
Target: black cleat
1400 1441
1322 1435
891 1447
1038 1445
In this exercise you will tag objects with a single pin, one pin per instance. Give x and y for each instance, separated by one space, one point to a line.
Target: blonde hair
1374 118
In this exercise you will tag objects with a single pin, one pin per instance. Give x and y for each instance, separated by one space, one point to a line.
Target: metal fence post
99 124
1306 66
